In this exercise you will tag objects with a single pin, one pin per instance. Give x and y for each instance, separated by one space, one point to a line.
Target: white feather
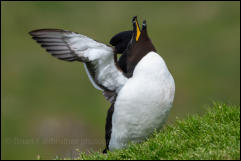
143 103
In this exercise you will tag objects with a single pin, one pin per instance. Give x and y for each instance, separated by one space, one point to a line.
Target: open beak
136 28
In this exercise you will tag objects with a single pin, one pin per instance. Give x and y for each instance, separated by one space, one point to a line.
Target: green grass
216 135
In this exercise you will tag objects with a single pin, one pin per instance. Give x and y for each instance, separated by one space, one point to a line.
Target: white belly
143 103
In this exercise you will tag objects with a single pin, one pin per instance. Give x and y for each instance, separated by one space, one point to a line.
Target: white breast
143 103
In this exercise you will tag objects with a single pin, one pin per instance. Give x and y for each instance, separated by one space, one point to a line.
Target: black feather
121 40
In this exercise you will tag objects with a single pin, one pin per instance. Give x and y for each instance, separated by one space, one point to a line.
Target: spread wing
97 57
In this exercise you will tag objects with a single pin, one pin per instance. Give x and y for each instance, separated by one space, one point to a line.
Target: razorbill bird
140 106
141 97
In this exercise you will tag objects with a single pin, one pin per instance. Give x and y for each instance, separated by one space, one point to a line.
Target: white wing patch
97 57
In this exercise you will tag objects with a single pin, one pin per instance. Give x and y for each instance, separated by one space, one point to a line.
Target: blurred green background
49 107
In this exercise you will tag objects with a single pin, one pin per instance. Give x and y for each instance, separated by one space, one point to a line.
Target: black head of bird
124 41
139 45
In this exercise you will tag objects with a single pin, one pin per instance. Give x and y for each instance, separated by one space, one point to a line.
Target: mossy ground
215 135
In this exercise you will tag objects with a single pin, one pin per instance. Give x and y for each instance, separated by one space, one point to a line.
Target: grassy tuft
216 135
